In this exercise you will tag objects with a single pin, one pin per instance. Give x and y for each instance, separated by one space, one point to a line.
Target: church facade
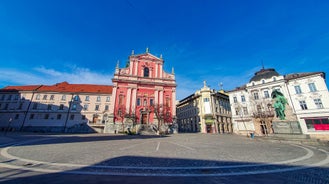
143 92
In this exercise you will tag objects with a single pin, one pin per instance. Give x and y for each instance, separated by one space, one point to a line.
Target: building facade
307 108
62 107
143 92
205 111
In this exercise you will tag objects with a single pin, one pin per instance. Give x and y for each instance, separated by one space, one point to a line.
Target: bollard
252 135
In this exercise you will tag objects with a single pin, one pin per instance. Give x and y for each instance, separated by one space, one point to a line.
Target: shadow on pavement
133 169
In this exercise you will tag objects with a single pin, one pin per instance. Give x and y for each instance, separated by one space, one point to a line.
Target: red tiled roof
77 88
20 88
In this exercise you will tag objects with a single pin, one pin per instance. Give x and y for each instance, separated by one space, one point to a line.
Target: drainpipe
68 113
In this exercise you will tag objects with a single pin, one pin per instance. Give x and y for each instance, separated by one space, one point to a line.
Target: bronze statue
280 104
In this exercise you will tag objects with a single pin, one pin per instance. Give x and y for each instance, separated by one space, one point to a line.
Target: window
16 116
106 107
87 98
318 103
317 124
59 116
312 87
52 97
64 97
303 104
72 117
138 102
298 90
245 110
16 97
263 81
32 116
96 107
46 116
243 99
83 117
108 99
76 98
235 99
3 97
9 97
259 108
266 94
20 105
37 97
236 111
35 106
49 107
168 102
206 100
256 97
145 102
146 72
74 107
151 101
44 97
85 107
274 78
61 107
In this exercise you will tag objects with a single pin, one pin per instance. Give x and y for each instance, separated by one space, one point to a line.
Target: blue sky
80 41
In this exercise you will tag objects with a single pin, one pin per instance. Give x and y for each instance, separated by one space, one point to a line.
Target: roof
77 88
264 74
304 74
20 88
63 87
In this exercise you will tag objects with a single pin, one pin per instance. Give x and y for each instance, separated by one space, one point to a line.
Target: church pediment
147 57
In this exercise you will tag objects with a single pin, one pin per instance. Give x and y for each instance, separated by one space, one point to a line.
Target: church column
136 68
133 100
131 67
161 97
161 71
173 99
156 97
128 100
156 70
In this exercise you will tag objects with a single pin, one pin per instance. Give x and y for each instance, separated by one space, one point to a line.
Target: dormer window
146 72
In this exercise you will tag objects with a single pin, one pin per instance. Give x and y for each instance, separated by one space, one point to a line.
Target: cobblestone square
187 158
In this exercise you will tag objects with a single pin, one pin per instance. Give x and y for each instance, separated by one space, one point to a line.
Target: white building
205 111
307 109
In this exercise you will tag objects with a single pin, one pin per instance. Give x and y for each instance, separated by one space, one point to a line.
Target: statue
280 104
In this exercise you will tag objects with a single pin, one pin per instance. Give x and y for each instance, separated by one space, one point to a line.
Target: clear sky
80 41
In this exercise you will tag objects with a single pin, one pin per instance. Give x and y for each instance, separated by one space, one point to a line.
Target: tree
162 113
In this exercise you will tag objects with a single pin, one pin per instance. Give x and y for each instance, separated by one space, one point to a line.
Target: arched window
146 72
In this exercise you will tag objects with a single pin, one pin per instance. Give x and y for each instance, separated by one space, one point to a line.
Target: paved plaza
181 158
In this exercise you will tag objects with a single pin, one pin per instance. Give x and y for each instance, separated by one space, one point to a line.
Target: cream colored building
62 107
307 108
205 111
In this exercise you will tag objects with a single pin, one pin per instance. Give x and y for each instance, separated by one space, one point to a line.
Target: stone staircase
147 130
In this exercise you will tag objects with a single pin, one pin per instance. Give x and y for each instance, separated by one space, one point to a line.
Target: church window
146 72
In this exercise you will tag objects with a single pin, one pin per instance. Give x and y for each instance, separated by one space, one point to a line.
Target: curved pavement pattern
180 155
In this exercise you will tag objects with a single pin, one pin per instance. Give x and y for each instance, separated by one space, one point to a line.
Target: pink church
143 92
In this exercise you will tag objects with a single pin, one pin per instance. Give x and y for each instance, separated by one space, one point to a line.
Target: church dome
264 74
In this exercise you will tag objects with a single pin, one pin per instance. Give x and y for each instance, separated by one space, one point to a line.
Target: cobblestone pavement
181 158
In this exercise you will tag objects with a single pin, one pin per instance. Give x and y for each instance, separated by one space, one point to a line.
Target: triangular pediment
147 56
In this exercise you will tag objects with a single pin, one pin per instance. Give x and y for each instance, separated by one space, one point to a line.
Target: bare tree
162 113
